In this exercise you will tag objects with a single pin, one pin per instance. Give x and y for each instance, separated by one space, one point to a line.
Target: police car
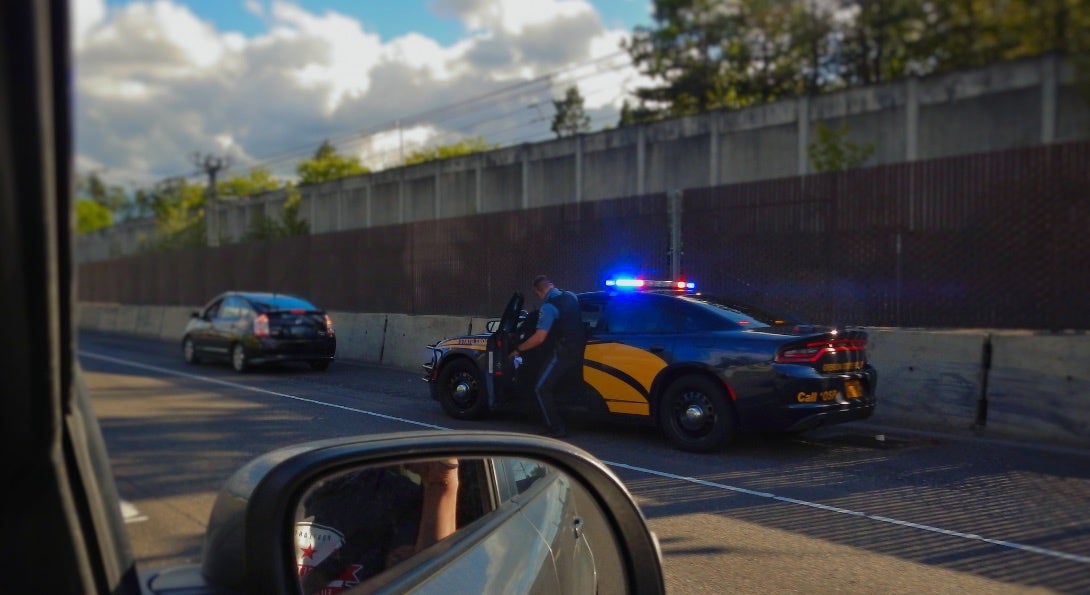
699 367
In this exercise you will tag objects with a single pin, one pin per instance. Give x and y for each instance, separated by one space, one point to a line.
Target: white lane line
131 514
256 390
856 513
692 480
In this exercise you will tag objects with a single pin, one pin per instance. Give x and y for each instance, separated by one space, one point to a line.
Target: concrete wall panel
609 173
1039 385
927 379
420 199
386 204
552 181
359 336
175 319
458 193
678 163
407 337
1073 114
972 126
501 188
758 154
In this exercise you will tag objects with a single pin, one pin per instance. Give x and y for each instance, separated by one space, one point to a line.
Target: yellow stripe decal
630 408
612 388
642 365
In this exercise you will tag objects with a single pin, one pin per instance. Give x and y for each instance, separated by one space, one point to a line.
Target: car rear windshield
745 315
273 303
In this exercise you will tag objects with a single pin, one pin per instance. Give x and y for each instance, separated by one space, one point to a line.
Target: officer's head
542 285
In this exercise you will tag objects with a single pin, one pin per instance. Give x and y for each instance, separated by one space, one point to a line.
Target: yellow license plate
853 389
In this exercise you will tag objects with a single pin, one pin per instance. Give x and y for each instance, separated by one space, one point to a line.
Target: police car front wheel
461 392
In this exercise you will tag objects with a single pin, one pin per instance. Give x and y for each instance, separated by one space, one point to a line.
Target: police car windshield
746 315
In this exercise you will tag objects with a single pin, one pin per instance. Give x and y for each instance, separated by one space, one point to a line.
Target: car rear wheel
189 351
320 365
461 392
695 414
238 358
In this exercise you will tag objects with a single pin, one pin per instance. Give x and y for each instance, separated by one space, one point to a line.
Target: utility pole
211 166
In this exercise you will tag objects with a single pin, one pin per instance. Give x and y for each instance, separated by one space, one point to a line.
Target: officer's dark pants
556 370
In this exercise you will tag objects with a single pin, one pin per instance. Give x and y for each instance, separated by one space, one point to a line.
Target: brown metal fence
996 240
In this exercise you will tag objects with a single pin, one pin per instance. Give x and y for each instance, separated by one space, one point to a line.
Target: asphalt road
850 509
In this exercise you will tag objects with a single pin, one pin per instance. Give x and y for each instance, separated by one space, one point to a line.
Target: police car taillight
261 326
812 352
328 325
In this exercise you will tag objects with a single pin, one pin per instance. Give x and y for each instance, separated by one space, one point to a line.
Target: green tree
328 165
883 42
93 187
463 147
696 49
91 216
831 151
256 181
571 117
711 54
178 208
109 200
290 222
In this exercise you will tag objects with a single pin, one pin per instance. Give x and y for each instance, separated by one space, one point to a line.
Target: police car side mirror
451 511
492 326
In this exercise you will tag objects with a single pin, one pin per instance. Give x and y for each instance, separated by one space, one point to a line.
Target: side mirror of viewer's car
466 512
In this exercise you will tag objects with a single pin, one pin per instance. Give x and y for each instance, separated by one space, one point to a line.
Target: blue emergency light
628 283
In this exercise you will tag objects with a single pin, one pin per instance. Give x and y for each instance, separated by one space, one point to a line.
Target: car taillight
328 325
261 326
815 350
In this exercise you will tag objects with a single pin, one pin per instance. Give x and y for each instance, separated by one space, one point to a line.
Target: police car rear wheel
695 414
461 392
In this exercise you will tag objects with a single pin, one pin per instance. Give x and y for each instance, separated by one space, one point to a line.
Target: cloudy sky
266 81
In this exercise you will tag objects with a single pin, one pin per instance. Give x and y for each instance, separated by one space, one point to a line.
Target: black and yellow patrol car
699 367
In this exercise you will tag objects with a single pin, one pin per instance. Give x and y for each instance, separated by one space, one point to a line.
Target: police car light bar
650 284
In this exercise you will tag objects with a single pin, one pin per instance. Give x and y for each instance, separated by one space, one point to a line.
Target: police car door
500 367
632 341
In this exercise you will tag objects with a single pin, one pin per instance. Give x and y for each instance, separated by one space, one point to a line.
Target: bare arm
439 517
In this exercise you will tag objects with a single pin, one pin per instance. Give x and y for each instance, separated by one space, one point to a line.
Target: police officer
560 332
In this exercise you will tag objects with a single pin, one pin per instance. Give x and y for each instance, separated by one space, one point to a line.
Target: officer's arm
535 339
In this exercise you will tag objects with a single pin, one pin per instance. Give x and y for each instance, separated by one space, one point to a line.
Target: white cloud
512 17
155 82
255 8
86 15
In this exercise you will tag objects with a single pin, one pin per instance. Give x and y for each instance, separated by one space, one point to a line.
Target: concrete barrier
1037 386
927 379
175 319
359 336
148 321
407 337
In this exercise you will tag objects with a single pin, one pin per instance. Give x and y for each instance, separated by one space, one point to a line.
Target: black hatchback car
250 329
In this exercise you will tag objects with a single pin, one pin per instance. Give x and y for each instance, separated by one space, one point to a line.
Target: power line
505 104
